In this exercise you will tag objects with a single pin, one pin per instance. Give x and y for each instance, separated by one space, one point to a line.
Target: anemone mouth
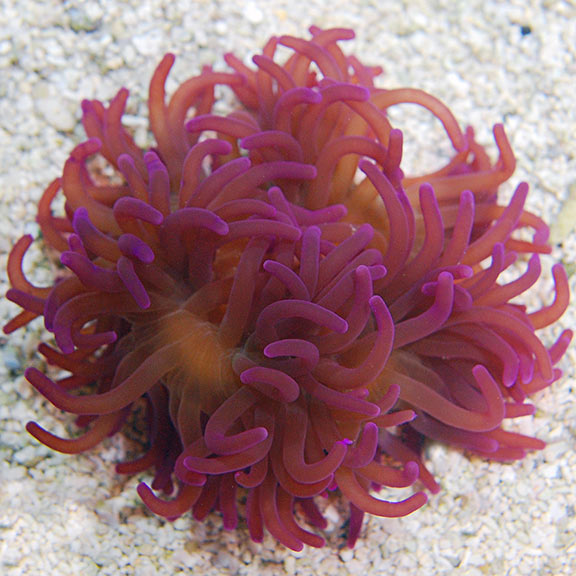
297 313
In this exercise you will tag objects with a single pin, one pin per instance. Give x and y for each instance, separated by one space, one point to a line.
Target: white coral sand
490 61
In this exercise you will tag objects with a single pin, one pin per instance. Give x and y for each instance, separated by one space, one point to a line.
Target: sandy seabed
492 61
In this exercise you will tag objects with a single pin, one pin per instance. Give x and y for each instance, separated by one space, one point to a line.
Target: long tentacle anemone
295 312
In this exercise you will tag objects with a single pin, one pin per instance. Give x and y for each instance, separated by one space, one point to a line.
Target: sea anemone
294 313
